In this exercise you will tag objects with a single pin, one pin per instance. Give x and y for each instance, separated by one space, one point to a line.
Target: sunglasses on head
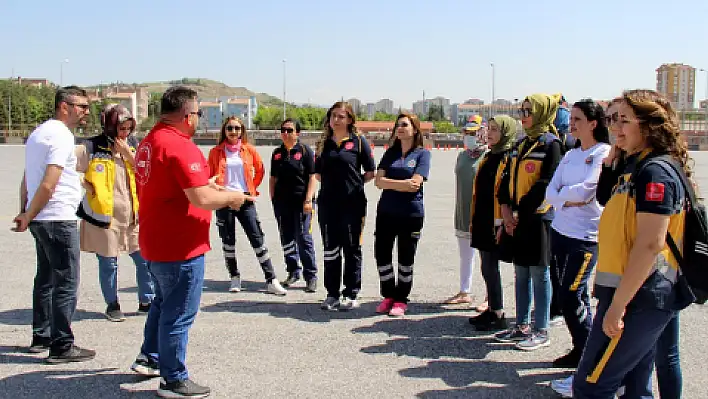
524 112
287 130
233 128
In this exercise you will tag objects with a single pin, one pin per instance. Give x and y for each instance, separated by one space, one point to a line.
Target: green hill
207 89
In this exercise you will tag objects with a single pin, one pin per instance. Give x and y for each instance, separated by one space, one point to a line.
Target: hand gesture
412 185
21 222
239 198
212 184
307 207
612 323
121 146
612 156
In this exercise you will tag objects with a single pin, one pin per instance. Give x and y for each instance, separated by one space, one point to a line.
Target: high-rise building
384 105
677 82
356 105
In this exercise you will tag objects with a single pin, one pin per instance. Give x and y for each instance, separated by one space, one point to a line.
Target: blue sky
361 48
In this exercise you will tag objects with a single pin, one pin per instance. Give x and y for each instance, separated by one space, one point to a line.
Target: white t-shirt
52 143
575 180
235 179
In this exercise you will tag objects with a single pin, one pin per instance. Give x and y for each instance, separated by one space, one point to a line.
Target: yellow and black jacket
485 212
655 190
97 208
530 169
523 188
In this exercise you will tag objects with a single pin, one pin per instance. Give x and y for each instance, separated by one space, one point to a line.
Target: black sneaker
39 345
491 322
144 308
145 365
292 279
569 360
482 318
182 389
311 285
71 355
113 312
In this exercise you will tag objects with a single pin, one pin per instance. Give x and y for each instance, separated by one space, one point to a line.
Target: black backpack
693 264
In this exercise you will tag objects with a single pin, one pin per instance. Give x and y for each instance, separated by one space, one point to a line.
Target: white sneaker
235 284
563 387
348 304
275 288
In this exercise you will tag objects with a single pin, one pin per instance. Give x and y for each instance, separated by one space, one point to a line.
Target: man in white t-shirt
49 196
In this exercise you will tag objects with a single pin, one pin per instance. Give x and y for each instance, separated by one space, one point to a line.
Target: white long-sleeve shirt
575 180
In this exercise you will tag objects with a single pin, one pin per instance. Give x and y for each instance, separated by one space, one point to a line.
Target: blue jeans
178 290
539 277
108 278
667 361
56 282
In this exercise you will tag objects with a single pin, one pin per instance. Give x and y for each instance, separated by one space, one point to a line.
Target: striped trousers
248 218
406 232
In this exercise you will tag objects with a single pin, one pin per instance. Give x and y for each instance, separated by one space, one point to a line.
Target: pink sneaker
398 309
385 306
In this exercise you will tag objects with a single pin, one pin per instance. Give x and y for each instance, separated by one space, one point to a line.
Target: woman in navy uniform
636 280
399 216
527 219
292 186
341 155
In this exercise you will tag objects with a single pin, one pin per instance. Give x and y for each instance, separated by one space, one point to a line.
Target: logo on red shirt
655 192
297 156
530 167
277 156
349 145
142 163
195 167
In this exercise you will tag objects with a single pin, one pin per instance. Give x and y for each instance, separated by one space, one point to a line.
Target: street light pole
705 96
61 71
284 76
9 104
493 84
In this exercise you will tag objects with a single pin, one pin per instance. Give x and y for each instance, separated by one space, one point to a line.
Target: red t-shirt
171 228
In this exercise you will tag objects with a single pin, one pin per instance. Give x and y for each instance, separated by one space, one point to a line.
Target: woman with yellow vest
527 218
636 281
486 219
109 209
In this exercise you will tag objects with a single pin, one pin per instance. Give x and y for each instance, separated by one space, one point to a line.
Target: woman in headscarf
465 171
527 218
109 210
486 220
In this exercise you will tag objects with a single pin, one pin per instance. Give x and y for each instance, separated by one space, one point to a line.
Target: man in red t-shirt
176 200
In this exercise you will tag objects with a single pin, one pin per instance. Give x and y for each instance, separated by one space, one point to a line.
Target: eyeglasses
524 112
233 128
82 106
287 130
610 119
198 113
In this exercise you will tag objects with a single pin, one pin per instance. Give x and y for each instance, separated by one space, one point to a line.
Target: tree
444 127
381 116
436 113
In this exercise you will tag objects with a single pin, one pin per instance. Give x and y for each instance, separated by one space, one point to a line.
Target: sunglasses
404 124
82 106
198 113
233 128
287 130
524 112
610 119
